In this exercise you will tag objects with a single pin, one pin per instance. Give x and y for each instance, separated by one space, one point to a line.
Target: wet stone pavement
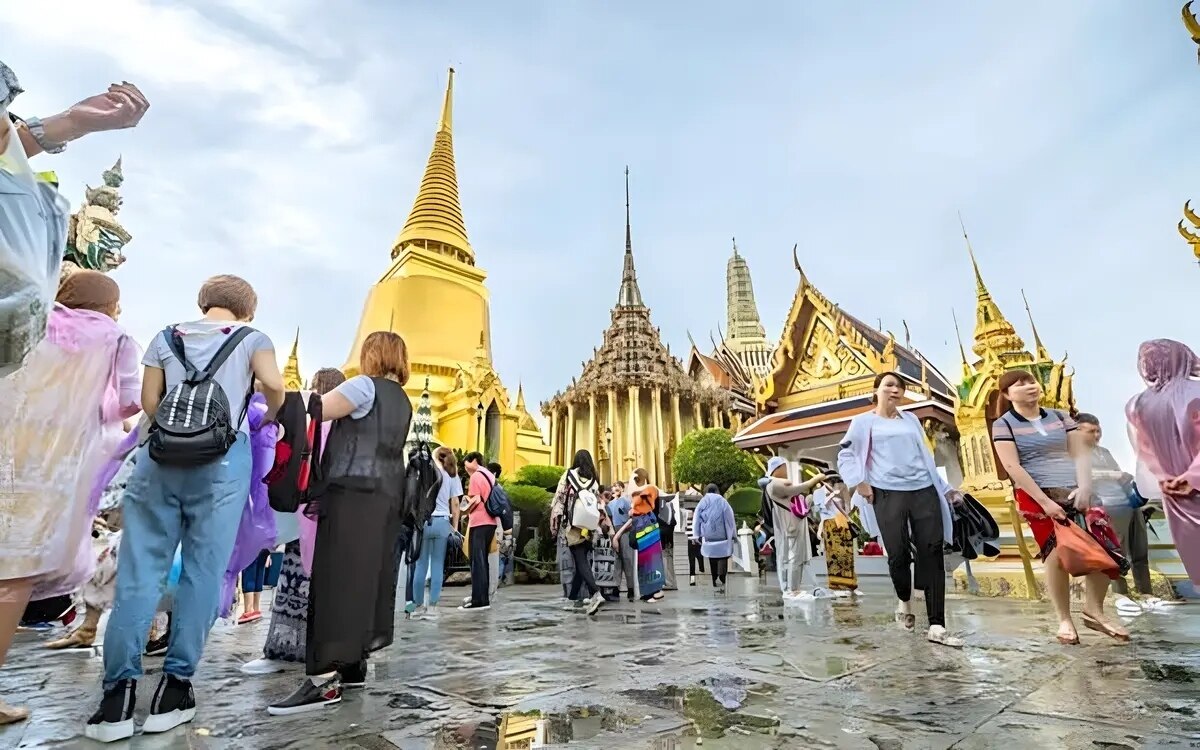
736 671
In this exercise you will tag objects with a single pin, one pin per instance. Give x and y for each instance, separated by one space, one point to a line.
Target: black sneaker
174 704
309 697
114 719
353 677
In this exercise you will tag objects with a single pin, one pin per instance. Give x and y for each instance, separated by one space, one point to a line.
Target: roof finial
446 124
735 252
907 335
1043 355
961 351
796 260
628 232
980 290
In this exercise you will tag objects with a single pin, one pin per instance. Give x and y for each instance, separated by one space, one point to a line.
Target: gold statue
1192 25
1191 236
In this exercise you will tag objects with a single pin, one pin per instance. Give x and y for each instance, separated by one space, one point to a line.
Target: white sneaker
595 603
937 634
820 593
1129 607
263 666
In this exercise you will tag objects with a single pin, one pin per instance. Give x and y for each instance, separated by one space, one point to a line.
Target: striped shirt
1041 445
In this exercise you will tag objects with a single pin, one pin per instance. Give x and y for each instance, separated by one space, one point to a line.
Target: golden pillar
675 418
593 446
659 439
553 417
614 448
635 414
716 416
569 443
696 415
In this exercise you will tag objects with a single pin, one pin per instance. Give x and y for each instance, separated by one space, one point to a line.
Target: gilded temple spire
291 371
993 333
967 370
1043 355
743 322
630 295
436 220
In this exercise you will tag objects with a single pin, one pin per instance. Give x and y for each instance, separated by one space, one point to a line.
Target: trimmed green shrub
528 499
746 501
540 475
707 456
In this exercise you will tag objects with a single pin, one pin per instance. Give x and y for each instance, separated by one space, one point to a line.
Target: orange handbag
1079 552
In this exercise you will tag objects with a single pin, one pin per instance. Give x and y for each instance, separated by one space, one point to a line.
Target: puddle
716 707
518 730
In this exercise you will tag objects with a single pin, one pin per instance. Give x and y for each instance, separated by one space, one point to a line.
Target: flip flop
1091 623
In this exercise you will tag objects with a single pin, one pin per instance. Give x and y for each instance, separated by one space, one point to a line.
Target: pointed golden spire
436 220
291 371
967 370
1042 354
993 332
520 396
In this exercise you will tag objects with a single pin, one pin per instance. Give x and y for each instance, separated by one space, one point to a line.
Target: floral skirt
839 555
289 610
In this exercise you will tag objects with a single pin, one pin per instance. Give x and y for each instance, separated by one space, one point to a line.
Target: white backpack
585 512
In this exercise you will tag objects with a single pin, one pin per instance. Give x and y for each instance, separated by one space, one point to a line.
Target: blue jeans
198 509
432 561
254 577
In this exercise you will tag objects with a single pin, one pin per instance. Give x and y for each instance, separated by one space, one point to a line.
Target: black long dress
352 595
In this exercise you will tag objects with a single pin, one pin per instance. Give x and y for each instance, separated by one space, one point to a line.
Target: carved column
569 443
635 414
591 442
676 418
659 440
614 448
553 426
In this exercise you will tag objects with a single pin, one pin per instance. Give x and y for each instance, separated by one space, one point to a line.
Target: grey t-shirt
360 392
201 340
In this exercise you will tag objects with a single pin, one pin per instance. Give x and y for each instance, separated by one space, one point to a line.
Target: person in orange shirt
481 530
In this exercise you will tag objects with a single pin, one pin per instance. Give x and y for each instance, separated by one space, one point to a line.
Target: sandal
12 714
1068 640
1093 623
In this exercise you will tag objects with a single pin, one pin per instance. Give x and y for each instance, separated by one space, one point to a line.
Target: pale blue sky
286 145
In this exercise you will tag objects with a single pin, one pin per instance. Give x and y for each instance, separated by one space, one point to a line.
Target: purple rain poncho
256 532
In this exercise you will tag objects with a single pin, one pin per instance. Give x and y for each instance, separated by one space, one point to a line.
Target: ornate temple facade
433 294
632 403
822 374
738 359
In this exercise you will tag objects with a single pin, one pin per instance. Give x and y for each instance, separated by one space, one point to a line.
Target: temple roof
993 333
822 344
633 353
436 217
831 418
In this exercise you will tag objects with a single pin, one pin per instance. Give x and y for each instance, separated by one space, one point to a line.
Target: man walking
1113 488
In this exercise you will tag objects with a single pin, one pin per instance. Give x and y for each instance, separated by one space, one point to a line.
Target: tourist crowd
155 516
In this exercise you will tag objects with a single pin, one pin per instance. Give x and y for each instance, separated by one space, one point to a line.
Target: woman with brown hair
61 415
1049 463
438 531
352 597
286 636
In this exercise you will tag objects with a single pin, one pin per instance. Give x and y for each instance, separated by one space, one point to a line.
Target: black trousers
479 541
720 568
695 559
583 577
921 510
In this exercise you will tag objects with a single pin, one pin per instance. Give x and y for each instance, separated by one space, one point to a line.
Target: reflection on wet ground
696 671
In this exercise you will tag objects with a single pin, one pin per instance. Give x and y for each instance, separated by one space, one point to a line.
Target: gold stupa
434 296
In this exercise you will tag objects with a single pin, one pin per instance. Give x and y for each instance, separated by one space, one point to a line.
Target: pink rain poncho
1164 425
62 415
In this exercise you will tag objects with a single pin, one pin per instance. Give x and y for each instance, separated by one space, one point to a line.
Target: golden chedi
433 294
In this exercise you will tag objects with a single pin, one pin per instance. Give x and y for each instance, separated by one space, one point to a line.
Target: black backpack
422 481
194 424
498 505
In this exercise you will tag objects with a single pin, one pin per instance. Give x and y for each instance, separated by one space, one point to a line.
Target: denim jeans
432 561
197 508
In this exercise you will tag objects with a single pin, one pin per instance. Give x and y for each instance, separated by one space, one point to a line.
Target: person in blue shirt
619 509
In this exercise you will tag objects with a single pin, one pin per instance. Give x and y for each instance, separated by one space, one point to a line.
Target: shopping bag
1080 553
